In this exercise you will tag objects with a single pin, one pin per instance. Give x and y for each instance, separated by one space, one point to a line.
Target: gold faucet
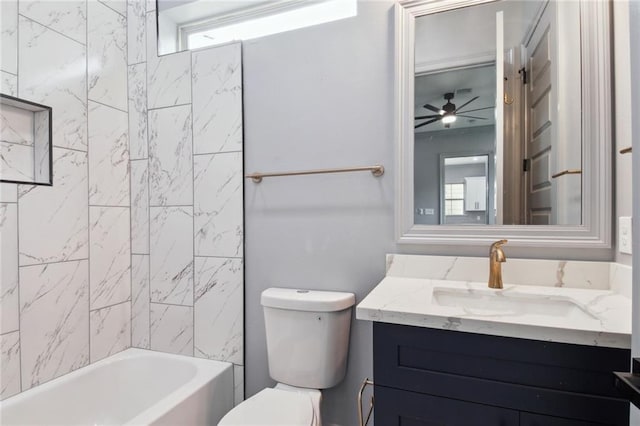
496 257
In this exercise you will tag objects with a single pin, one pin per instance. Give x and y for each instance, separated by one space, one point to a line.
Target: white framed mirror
524 84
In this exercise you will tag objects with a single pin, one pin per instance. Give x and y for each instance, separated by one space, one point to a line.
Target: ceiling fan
448 113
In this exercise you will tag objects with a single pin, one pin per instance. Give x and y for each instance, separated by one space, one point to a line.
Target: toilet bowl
280 406
307 335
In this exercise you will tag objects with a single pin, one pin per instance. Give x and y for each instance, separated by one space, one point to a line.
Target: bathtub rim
206 371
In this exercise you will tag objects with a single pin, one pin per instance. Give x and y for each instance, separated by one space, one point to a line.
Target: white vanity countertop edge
407 301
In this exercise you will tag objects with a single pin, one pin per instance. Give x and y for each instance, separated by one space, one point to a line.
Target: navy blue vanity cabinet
400 407
427 376
528 419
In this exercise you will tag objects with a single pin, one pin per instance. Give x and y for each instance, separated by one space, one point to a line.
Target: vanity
541 351
503 131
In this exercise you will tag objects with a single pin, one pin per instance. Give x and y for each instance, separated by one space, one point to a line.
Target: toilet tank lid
307 300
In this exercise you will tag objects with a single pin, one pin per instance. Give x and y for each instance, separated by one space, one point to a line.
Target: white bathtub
134 387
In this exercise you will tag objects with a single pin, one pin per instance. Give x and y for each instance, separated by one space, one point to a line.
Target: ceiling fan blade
477 109
427 116
471 116
427 122
466 103
431 108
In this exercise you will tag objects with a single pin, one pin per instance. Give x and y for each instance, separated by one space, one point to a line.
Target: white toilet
307 344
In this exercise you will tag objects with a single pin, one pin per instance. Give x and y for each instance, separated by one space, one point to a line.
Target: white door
499 160
540 120
513 207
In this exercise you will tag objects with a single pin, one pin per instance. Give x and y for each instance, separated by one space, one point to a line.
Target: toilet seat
272 407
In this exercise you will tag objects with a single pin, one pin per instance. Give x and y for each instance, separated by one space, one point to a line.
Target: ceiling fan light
448 119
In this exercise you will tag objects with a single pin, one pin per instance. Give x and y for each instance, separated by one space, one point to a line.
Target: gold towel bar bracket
377 170
567 172
626 150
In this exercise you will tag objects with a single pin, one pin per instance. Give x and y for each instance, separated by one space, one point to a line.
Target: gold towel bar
377 170
626 150
567 172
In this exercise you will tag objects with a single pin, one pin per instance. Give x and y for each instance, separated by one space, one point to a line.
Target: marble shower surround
91 60
185 121
65 290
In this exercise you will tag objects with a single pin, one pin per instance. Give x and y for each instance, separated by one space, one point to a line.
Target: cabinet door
528 419
554 379
395 407
475 193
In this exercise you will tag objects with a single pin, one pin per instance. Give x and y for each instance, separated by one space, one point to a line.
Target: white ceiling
471 31
430 89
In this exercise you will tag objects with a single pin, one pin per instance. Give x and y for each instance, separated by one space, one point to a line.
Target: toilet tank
307 335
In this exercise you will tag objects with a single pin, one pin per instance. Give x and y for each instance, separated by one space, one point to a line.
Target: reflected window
453 199
464 191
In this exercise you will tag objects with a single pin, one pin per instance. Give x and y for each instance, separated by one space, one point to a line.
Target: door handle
567 172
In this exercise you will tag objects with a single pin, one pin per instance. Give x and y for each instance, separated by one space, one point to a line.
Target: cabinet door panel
475 189
528 419
554 379
558 366
402 408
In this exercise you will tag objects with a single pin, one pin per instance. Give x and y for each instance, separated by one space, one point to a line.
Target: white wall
429 146
623 114
634 31
168 35
313 98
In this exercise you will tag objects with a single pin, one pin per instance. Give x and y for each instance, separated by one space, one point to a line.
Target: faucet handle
498 244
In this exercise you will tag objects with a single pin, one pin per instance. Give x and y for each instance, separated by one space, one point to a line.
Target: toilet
307 335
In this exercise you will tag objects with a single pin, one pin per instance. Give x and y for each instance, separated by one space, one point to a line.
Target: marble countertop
603 317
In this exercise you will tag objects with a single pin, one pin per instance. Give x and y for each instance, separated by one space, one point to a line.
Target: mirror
194 24
522 87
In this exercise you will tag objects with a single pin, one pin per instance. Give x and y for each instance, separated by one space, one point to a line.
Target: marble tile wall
139 242
18 147
65 289
185 121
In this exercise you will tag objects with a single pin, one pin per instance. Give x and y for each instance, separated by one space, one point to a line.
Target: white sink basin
497 302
